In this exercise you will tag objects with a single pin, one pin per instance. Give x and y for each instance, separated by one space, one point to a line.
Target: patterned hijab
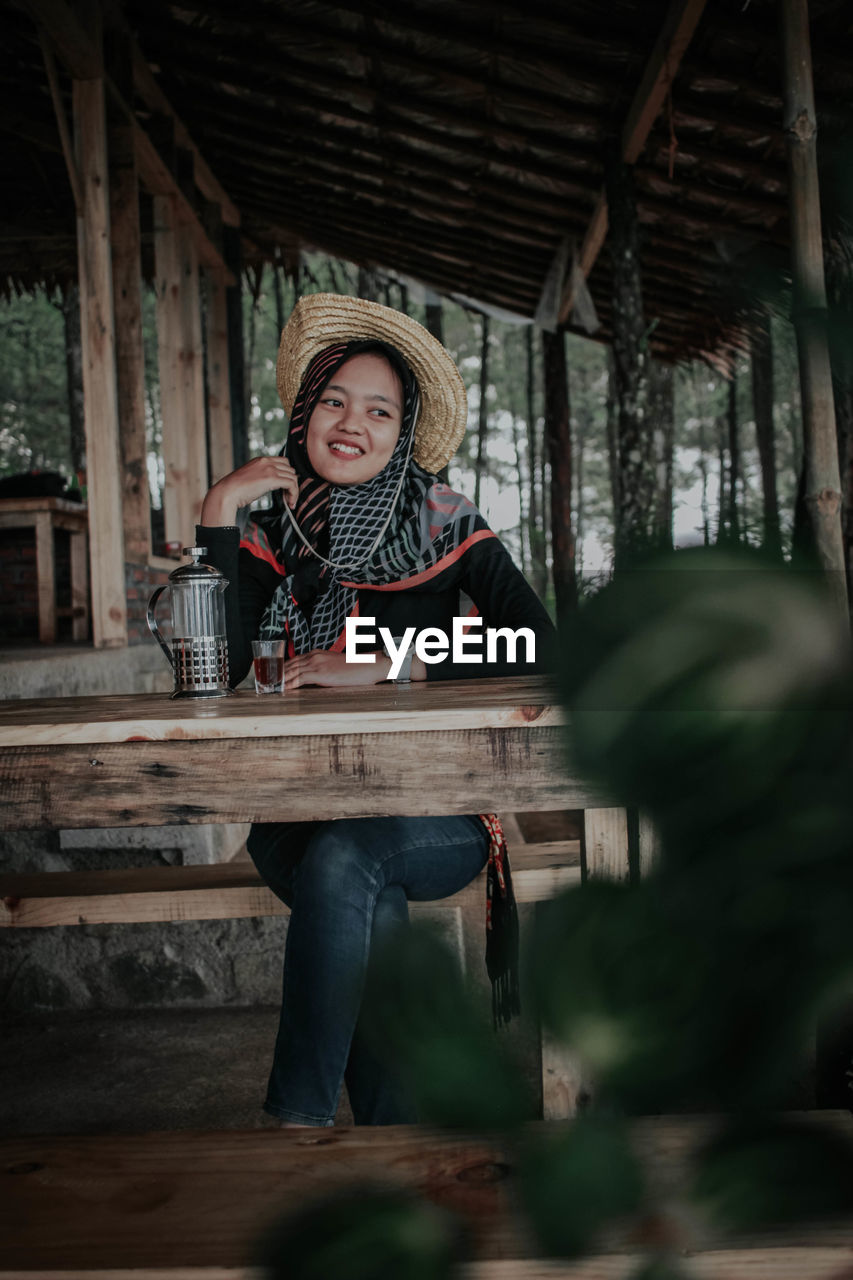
383 532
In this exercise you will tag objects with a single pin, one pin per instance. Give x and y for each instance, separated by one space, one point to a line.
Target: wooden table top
381 708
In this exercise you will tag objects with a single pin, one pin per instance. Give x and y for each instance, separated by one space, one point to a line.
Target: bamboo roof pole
672 42
822 479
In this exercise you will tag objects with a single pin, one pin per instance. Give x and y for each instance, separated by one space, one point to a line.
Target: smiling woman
356 422
361 527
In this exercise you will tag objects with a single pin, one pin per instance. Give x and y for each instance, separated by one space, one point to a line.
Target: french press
199 653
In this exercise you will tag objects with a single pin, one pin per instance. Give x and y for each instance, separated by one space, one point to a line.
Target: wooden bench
228 891
234 890
189 1205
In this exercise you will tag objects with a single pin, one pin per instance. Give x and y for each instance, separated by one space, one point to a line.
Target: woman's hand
328 667
251 481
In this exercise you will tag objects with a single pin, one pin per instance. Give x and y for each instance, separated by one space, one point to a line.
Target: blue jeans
348 884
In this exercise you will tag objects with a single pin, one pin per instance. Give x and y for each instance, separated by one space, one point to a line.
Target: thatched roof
459 141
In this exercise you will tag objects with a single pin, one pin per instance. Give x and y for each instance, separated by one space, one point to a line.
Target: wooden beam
154 98
100 392
83 58
74 46
127 301
218 386
820 445
661 69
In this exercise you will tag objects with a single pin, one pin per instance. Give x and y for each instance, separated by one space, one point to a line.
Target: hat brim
320 320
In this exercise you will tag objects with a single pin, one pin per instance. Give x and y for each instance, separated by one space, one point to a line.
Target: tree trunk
762 407
74 377
703 472
662 424
434 320
822 480
612 424
558 437
279 297
367 284
522 518
839 281
723 491
404 299
733 499
632 534
535 530
483 416
255 276
236 351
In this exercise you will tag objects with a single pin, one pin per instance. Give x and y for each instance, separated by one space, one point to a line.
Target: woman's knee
342 854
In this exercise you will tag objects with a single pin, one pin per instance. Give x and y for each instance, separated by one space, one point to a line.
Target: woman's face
356 422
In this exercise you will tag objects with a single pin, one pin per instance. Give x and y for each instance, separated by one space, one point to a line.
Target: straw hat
320 320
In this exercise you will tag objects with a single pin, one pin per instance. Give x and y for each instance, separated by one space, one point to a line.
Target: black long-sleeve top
499 592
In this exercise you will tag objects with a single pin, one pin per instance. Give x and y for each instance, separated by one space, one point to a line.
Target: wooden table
425 748
44 515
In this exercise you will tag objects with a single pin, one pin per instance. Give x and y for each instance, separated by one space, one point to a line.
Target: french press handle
152 624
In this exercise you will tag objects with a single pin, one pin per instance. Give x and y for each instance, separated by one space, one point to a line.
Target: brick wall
140 582
18 592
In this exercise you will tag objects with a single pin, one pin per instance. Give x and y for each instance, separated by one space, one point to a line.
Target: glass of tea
268 659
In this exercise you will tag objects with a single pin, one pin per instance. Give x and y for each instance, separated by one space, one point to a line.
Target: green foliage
577 1181
768 1170
425 1022
364 1234
34 430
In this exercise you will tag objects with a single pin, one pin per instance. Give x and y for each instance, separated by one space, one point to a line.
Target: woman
361 526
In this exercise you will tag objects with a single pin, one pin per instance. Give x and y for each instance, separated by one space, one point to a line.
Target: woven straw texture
319 320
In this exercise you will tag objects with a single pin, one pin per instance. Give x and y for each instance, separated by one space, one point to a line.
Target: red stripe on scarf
259 551
444 563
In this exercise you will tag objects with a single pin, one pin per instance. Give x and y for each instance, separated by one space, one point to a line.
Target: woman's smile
356 423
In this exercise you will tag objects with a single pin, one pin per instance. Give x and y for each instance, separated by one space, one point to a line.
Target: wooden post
109 604
559 442
218 389
181 373
127 294
822 481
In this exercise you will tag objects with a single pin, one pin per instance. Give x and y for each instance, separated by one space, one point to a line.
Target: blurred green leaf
572 1183
370 1234
658 1269
436 1034
764 1171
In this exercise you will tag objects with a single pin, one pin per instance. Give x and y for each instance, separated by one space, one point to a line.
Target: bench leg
563 1088
605 834
606 854
46 578
79 586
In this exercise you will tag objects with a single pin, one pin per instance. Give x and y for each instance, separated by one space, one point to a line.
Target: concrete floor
136 1072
